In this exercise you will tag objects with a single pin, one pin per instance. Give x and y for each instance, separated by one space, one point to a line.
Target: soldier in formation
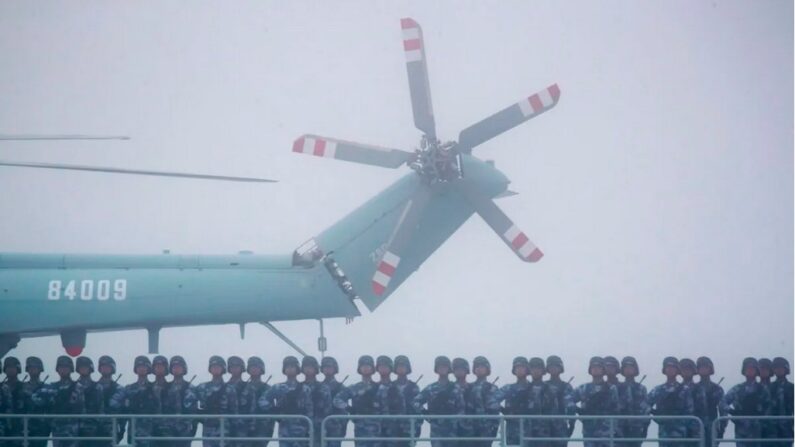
247 403
289 398
597 398
138 399
441 398
62 397
38 427
108 387
390 402
94 402
335 428
408 391
319 394
14 398
781 392
482 399
749 398
632 397
671 399
360 399
707 405
179 399
213 398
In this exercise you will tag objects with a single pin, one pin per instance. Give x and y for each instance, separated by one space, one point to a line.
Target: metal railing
502 435
714 429
132 420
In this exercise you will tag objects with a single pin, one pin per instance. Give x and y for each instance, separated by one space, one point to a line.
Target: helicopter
364 257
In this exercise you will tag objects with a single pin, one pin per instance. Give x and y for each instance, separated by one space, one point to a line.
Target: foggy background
660 188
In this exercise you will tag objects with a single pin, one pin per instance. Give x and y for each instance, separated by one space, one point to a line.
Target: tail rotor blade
508 118
503 226
417 69
349 151
400 239
134 172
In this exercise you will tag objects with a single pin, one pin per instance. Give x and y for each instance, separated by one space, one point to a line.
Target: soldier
482 401
671 399
335 428
390 401
710 407
180 398
687 369
782 394
632 396
137 398
769 428
442 398
597 398
247 403
214 398
517 399
465 428
542 402
611 371
408 390
235 366
36 427
748 399
62 397
161 427
363 401
94 403
289 397
319 393
13 390
564 404
109 387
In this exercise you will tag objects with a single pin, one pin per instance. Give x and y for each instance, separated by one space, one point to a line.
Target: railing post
503 435
612 431
412 425
25 431
223 429
131 433
114 428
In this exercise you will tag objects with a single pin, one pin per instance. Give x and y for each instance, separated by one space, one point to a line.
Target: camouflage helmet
33 362
670 361
84 362
142 360
310 362
481 361
107 360
365 360
441 360
781 362
330 362
384 360
65 361
216 360
177 360
629 361
688 364
290 361
519 361
160 360
554 360
765 363
235 361
705 361
595 361
256 362
750 361
611 361
537 363
403 360
12 362
460 363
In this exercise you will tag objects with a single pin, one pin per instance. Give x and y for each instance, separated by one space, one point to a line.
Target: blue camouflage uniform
363 401
14 396
747 399
671 399
248 404
442 398
180 398
564 405
104 427
696 395
707 407
289 398
136 398
62 397
320 395
408 391
634 402
213 398
36 427
391 402
781 393
94 404
481 399
335 428
236 427
597 399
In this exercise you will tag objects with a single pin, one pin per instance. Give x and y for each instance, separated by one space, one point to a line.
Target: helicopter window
307 254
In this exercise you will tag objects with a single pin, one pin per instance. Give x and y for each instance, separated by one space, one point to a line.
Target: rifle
494 382
416 382
570 379
117 378
45 378
344 379
191 379
25 378
268 379
721 380
642 379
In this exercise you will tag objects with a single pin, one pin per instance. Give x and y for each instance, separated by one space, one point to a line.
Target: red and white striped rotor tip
522 245
315 146
412 39
540 101
384 272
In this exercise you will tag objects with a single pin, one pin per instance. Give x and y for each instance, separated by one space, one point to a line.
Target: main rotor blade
349 151
400 239
134 172
503 226
11 137
508 118
417 69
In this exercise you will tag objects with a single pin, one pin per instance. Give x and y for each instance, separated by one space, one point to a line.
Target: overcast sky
660 188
